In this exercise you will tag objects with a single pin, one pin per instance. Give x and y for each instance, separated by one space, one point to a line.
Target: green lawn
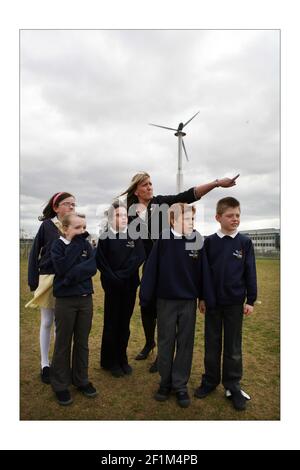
131 398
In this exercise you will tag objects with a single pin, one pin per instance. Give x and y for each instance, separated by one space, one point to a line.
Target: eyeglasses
68 204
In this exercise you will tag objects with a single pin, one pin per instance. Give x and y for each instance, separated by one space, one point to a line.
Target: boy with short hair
231 259
173 275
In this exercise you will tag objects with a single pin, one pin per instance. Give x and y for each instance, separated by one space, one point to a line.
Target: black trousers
229 319
118 309
149 316
73 322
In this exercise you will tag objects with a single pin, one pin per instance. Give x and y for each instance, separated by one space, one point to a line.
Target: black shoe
45 375
183 399
238 400
88 390
228 394
145 352
203 391
127 369
162 394
154 367
64 397
117 372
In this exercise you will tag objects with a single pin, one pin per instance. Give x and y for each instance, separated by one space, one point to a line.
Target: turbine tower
180 134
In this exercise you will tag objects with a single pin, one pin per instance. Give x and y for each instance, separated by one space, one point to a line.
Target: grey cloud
87 98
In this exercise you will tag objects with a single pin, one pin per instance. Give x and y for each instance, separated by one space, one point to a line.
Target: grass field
131 397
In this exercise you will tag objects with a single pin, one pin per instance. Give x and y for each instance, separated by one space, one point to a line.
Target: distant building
265 240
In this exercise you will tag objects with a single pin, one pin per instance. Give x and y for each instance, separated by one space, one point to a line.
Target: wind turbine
181 146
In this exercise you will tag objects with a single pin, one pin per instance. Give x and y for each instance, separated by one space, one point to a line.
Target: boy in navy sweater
174 275
74 265
118 258
232 263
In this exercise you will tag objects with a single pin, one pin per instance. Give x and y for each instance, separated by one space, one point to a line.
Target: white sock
47 318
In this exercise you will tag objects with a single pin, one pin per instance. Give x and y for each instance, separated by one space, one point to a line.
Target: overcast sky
87 98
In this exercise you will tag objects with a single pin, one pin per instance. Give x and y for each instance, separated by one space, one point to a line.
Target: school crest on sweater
194 254
130 244
238 254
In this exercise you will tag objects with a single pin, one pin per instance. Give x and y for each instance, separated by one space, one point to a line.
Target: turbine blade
164 127
191 119
185 151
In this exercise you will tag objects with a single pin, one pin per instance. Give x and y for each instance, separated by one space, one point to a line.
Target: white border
143 435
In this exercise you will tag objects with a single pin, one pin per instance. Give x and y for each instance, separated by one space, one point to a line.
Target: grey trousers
73 322
175 329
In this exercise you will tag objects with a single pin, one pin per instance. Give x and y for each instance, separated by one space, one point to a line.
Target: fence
264 253
25 246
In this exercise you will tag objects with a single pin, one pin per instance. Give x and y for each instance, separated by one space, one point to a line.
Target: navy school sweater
74 265
39 261
118 259
174 272
232 263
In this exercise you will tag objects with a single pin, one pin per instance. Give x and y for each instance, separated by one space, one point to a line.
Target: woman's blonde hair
137 179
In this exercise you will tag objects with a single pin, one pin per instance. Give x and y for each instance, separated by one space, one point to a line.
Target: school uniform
40 280
176 274
74 265
40 268
118 258
232 263
149 233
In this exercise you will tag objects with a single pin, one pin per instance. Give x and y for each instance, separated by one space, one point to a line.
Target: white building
265 240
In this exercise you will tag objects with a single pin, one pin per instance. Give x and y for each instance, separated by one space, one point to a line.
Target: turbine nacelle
178 132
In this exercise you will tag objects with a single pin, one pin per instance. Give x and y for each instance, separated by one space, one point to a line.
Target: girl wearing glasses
41 273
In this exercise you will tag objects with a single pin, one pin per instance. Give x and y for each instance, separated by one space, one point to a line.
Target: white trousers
47 319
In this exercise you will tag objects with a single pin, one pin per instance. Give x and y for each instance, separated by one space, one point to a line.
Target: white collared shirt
66 242
232 235
57 223
115 232
176 234
188 235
